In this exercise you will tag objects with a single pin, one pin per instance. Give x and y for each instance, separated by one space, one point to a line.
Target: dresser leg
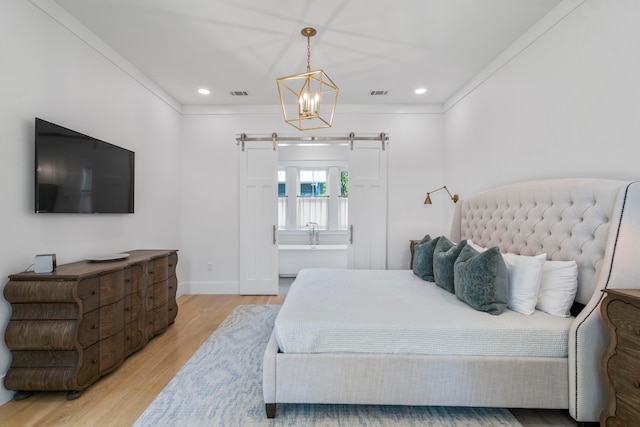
74 394
21 395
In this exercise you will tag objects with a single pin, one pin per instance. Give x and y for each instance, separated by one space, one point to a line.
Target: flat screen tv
75 173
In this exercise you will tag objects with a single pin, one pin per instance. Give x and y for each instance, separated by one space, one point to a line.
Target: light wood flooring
119 398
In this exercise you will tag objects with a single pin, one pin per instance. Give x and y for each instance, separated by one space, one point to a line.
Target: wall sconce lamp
454 197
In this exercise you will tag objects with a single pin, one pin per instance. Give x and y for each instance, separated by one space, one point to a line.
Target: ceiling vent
378 92
239 93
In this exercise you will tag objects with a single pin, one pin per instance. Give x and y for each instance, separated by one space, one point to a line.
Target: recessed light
203 91
420 91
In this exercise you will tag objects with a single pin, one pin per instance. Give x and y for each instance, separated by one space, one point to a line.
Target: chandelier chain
308 54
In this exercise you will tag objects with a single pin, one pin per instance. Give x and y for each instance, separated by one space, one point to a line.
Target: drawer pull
94 362
94 292
638 332
636 384
94 326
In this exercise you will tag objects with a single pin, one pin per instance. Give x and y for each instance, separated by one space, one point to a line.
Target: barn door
258 219
368 205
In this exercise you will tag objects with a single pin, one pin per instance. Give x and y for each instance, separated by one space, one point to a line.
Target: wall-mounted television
75 173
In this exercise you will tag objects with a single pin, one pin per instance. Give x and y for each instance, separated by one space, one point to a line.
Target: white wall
210 185
50 73
567 106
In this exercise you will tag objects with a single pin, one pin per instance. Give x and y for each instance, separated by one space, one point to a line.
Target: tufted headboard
568 219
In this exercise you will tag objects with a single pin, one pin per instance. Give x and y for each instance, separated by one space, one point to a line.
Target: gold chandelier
309 99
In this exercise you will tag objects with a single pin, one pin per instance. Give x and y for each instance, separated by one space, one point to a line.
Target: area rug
221 385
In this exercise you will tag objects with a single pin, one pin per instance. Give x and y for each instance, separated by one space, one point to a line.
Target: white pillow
558 287
476 247
525 273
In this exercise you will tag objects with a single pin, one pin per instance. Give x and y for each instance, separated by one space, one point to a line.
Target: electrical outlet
209 267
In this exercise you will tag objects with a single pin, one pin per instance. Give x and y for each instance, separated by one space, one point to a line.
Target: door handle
351 234
274 234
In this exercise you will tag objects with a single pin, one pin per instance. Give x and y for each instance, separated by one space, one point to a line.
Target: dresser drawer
89 328
160 294
173 261
160 319
624 373
112 287
89 368
159 270
89 294
626 319
627 413
112 319
112 351
133 308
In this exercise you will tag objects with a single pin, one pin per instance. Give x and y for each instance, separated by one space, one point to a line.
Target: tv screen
75 173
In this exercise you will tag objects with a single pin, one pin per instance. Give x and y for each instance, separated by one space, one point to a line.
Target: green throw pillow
444 257
481 279
423 259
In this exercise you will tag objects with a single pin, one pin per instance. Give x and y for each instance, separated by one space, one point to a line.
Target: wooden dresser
70 327
621 361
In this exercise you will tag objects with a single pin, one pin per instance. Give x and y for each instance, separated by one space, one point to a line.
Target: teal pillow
426 238
423 259
481 279
444 258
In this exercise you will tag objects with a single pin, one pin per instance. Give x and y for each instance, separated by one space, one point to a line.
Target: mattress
396 312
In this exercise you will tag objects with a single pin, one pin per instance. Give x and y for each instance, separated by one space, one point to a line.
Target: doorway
261 232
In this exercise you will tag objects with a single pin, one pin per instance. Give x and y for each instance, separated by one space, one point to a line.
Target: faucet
313 233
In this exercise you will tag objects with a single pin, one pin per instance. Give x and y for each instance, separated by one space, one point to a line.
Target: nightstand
621 361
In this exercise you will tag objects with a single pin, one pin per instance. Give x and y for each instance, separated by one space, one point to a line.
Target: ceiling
363 45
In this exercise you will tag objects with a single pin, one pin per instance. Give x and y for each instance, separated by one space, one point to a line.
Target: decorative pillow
558 287
524 273
481 279
423 259
444 257
426 238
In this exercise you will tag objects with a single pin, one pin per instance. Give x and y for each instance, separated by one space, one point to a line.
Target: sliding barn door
258 219
368 205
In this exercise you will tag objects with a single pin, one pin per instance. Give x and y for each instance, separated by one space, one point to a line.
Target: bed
389 337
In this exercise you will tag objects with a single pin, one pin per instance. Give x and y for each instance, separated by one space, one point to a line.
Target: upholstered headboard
568 219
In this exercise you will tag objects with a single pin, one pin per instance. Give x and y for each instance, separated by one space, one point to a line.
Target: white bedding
394 311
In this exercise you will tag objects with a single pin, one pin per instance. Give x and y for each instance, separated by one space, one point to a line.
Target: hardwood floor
119 398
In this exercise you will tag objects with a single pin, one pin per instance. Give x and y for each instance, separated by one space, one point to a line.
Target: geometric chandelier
309 99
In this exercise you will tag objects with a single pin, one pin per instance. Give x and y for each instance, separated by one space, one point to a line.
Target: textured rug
221 385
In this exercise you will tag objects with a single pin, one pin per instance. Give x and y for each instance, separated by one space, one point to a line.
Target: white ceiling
363 45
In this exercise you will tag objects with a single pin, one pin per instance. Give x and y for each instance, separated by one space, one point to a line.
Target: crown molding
341 109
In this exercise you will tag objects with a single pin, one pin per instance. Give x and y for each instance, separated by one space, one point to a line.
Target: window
282 183
313 183
282 199
318 195
344 184
313 204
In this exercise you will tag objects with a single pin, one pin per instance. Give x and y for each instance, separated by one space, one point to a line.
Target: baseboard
5 395
208 288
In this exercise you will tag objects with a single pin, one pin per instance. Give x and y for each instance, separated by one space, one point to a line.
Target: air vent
378 92
239 93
